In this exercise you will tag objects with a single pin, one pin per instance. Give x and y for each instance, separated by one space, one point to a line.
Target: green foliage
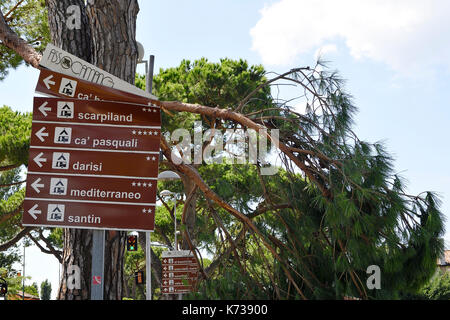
438 288
221 85
229 284
7 260
46 290
32 289
29 21
15 131
12 279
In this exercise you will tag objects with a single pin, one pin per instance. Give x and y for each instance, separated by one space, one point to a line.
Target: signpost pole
148 266
148 248
98 262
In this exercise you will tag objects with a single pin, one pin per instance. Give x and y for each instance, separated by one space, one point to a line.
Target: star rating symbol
153 158
143 184
154 109
146 210
145 133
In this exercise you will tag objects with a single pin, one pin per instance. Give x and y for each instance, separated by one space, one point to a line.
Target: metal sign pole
148 248
98 263
148 266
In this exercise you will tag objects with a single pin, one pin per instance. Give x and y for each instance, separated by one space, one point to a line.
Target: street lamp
167 176
148 73
170 175
167 193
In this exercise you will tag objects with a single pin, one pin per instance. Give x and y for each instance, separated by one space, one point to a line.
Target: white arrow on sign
43 109
36 185
33 211
48 81
40 134
38 159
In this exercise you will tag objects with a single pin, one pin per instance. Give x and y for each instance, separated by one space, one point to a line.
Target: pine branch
11 40
17 237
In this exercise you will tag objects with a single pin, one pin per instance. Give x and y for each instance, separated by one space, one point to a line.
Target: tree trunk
102 33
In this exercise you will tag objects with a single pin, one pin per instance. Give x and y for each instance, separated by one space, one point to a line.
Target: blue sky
391 53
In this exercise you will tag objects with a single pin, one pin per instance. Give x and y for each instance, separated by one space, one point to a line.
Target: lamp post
148 71
164 176
170 175
166 193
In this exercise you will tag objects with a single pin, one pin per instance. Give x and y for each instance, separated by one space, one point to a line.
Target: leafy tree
28 19
15 130
32 289
438 288
46 290
313 234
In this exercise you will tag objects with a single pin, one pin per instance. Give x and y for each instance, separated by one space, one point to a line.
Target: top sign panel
58 60
59 85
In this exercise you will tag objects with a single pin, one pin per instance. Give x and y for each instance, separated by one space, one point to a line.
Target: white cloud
408 35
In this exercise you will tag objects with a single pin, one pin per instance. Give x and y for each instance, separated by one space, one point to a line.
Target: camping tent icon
55 212
66 111
67 87
62 135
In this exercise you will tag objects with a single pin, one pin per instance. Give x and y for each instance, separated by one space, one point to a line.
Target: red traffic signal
3 287
132 243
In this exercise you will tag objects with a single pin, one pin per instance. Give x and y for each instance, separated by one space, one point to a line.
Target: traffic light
139 277
132 243
3 287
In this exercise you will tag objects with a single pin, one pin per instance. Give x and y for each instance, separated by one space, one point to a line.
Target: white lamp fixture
168 175
140 48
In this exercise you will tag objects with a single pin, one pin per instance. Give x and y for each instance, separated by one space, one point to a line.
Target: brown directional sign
176 289
93 162
93 159
180 267
89 214
60 85
97 112
179 282
92 137
179 271
180 274
179 260
91 188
